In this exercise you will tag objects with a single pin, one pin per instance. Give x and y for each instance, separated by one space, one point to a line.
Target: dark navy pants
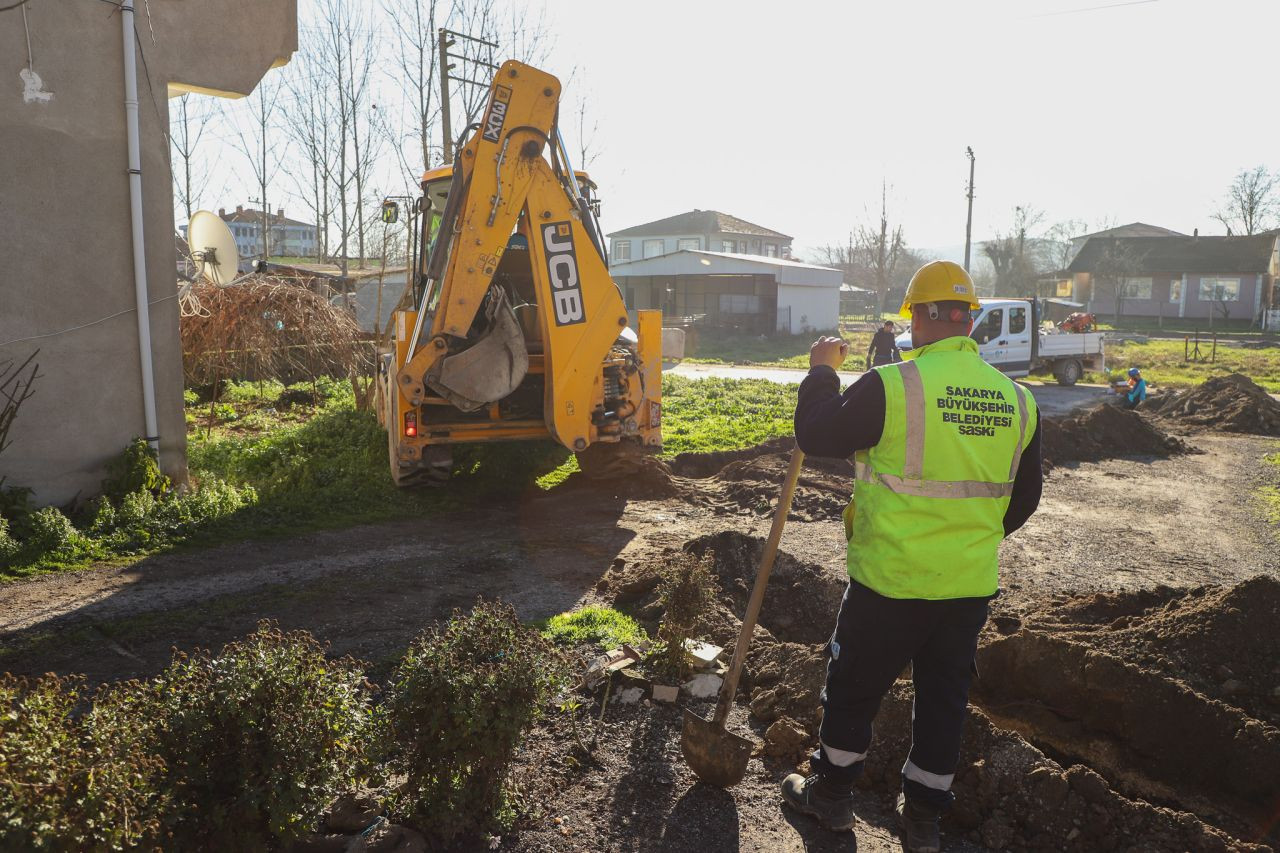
875 638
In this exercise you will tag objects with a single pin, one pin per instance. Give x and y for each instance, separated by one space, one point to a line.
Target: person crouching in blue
1137 388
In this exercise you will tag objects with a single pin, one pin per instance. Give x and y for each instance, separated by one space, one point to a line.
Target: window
1219 290
1175 291
771 250
692 243
1136 288
991 327
739 303
729 245
1017 321
622 250
653 248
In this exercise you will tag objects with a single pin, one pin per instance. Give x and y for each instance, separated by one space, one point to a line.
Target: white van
1011 339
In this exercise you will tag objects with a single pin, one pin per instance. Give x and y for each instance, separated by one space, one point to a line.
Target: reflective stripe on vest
911 481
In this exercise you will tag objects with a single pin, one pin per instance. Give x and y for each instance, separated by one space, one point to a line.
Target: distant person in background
1137 388
883 349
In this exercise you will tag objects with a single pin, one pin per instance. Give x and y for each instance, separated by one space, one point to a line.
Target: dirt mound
1011 796
1233 403
1104 432
1219 641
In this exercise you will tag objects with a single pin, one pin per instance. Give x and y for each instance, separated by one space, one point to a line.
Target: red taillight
410 424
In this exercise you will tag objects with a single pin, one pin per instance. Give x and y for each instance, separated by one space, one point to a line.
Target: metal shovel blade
714 754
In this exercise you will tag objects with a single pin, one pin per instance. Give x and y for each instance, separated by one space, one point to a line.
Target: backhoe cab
517 331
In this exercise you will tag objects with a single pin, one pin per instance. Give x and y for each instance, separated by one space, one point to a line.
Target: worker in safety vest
947 457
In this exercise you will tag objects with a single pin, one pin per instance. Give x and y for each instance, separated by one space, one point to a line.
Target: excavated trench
1090 728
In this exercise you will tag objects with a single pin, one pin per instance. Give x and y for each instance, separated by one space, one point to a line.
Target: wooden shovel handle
730 687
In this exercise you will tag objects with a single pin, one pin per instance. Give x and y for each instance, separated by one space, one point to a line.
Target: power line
1092 8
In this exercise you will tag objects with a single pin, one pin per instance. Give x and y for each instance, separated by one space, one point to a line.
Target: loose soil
1104 432
1127 672
1233 403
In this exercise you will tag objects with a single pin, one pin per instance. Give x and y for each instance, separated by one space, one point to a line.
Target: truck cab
1009 339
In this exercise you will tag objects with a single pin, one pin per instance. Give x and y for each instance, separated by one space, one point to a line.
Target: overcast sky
790 114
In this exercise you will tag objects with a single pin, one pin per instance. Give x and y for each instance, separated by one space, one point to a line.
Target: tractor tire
1068 371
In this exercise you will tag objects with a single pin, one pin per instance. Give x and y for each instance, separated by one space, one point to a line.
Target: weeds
599 626
685 592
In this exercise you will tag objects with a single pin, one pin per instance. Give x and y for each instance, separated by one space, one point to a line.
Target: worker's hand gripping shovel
715 755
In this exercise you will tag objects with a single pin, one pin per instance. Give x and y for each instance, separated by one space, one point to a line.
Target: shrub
135 469
684 593
70 784
601 626
52 533
256 741
457 706
9 546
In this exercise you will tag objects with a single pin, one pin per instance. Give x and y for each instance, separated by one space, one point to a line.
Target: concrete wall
744 244
1174 295
66 256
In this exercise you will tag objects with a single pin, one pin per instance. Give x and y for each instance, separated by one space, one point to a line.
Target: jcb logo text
562 267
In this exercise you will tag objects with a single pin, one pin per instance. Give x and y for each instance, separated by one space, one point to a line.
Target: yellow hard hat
939 281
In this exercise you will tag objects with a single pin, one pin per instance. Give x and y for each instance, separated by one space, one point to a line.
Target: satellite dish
213 248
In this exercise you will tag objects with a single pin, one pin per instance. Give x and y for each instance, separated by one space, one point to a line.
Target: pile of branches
267 327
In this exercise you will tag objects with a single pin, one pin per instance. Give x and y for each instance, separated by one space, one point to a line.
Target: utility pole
443 52
968 225
265 220
447 39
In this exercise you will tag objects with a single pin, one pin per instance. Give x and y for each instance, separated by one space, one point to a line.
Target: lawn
1163 365
708 346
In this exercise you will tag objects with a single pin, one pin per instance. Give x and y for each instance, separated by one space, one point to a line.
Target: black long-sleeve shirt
829 423
883 345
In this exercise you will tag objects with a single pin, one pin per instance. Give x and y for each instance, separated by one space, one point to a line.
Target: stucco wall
66 256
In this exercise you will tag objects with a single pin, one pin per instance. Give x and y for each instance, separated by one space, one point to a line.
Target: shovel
715 755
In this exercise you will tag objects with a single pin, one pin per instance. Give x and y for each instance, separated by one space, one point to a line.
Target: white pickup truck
1010 338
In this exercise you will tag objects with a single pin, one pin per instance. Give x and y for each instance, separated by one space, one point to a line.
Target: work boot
920 826
832 806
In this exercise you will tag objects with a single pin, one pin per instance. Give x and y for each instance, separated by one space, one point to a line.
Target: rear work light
410 424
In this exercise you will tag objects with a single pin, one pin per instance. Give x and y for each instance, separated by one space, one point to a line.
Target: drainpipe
135 215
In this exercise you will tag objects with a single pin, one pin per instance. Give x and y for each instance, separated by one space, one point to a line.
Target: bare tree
1116 264
882 249
1058 239
311 101
417 64
264 158
1017 255
1250 205
190 172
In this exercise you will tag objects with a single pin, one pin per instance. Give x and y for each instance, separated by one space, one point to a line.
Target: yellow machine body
514 301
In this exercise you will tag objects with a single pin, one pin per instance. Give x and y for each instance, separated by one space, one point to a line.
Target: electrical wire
85 325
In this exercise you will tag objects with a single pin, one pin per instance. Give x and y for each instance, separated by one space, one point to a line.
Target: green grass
1162 364
1236 328
702 415
715 347
600 626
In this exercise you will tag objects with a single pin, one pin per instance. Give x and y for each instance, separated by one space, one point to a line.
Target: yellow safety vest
932 494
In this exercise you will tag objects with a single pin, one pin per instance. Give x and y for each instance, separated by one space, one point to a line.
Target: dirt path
1116 525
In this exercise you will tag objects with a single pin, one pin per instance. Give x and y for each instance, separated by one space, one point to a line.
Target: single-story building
1175 275
730 289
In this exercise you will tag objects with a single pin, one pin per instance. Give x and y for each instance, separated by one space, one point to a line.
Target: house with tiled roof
697 230
1176 275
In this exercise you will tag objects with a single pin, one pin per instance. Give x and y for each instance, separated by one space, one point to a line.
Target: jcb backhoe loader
517 331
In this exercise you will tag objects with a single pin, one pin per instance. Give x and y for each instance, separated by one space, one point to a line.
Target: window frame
618 247
1021 313
681 241
1129 284
1217 280
645 244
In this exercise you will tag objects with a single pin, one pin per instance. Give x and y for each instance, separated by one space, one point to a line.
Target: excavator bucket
489 369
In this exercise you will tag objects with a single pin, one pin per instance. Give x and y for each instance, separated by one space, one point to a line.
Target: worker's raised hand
829 351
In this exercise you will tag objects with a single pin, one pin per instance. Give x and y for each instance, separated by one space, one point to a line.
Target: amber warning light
410 423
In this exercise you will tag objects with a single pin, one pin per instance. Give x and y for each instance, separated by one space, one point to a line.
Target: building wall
811 309
1174 296
67 253
745 244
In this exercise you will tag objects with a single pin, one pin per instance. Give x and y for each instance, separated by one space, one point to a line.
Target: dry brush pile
267 327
